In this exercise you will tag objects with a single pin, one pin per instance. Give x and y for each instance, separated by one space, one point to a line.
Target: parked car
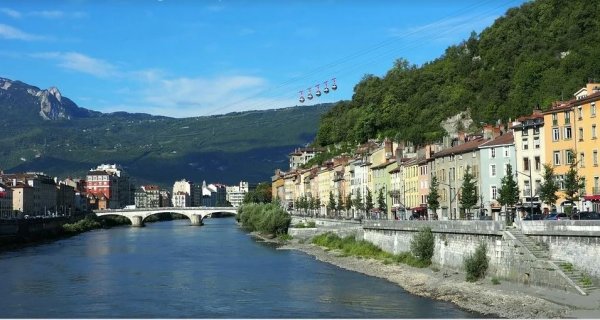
535 217
586 215
557 216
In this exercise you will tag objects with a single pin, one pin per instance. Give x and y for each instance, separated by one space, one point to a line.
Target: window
536 131
593 109
492 170
526 189
567 117
538 163
570 156
568 133
595 158
579 113
556 158
560 181
593 131
554 119
536 142
525 144
525 132
555 134
580 134
506 152
494 192
582 160
526 164
492 152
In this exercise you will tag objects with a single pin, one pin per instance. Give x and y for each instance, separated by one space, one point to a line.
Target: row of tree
508 194
337 205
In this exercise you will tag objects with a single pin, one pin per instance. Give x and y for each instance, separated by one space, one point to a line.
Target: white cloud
81 63
57 14
11 13
8 32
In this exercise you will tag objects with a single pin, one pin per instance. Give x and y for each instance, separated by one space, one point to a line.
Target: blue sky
195 58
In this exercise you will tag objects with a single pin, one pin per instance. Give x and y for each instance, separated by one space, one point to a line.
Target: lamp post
449 196
530 186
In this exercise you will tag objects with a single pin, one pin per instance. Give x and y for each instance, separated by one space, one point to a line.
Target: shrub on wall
422 245
476 264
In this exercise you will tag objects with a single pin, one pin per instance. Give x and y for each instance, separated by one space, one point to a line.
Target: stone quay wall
574 241
456 240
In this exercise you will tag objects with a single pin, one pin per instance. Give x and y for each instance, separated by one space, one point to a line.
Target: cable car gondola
333 86
318 92
301 97
309 95
326 90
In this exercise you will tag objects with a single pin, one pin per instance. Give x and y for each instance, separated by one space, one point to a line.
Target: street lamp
449 196
530 185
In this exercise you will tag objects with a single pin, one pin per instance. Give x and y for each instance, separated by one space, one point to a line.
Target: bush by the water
86 224
476 264
364 249
266 218
309 224
422 245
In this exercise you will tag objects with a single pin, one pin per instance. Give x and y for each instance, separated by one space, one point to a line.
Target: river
173 270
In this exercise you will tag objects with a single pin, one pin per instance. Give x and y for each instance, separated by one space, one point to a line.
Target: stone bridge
137 216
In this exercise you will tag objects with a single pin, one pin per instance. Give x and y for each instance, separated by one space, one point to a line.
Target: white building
181 200
530 155
235 194
6 202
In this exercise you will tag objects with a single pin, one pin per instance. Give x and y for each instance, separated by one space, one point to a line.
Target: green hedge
266 218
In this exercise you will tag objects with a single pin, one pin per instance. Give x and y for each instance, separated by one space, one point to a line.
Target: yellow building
277 186
570 132
587 146
411 182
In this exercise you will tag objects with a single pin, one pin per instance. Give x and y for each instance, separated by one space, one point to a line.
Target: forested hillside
226 148
535 54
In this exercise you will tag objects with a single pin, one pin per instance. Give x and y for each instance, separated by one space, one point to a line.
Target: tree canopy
535 54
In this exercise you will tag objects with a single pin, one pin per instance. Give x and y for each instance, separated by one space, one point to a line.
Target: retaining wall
456 240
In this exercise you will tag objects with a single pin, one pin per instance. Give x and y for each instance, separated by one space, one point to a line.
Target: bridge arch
137 216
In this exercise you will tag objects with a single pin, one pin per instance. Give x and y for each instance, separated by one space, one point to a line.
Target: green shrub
364 249
567 266
586 280
495 281
85 224
311 224
422 245
266 218
476 264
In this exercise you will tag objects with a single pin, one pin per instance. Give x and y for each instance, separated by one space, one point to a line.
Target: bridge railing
168 208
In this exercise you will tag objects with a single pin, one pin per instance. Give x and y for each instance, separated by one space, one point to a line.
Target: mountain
49 104
540 52
40 130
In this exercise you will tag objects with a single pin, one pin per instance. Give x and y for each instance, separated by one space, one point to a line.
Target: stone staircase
576 275
541 252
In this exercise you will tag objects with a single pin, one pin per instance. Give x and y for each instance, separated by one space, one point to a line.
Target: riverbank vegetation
308 224
266 218
476 265
422 245
349 246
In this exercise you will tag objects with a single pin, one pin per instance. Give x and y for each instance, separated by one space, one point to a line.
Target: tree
369 201
331 204
573 184
508 195
468 197
311 205
381 201
262 194
548 188
433 200
348 203
358 202
340 203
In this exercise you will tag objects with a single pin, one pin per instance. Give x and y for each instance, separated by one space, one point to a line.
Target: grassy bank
266 218
363 249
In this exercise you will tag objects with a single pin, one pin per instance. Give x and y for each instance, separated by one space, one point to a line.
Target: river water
173 270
